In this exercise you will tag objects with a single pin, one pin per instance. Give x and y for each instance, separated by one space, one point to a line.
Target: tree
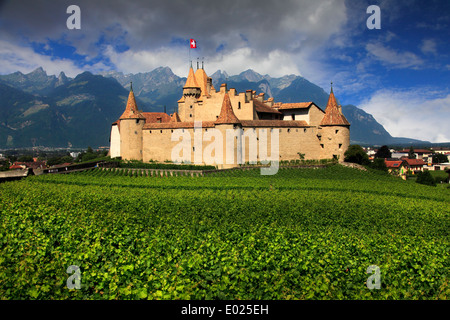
383 153
378 164
26 158
4 165
88 156
89 150
426 178
439 158
356 154
411 154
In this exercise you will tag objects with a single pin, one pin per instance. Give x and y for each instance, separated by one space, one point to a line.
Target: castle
302 129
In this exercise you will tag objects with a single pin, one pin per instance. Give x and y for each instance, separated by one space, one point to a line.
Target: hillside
78 113
307 234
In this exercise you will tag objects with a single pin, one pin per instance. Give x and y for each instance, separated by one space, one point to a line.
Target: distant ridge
43 110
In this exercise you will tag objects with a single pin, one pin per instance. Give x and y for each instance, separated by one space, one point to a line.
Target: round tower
335 131
131 124
191 93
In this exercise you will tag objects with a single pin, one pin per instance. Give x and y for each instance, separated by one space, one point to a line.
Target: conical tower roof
201 79
191 82
131 110
333 115
227 115
175 117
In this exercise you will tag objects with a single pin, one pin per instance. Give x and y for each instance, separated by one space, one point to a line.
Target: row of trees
84 156
356 154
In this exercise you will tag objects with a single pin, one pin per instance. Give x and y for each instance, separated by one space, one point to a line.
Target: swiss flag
193 44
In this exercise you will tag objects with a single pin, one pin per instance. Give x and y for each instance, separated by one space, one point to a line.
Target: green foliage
383 152
300 234
4 165
59 160
425 178
356 154
439 158
378 164
134 164
411 154
26 158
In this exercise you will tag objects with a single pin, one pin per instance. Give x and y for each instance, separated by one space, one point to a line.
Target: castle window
293 116
340 146
137 121
135 132
337 131
193 148
288 130
160 131
304 130
190 116
206 129
321 145
150 131
239 105
190 107
171 131
217 117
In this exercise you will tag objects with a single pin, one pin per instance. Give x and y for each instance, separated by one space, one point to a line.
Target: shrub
425 178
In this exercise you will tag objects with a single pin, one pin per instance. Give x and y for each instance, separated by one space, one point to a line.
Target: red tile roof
333 116
261 107
175 117
15 166
227 115
416 151
151 117
275 123
393 163
298 105
177 125
415 162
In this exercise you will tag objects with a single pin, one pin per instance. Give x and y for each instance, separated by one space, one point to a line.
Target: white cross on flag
193 44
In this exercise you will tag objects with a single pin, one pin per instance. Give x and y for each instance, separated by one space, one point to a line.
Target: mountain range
37 109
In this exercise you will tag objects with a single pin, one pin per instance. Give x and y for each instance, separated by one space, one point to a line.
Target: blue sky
399 73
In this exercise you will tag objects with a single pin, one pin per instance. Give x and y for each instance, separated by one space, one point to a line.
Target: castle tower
131 123
191 93
227 123
203 81
334 131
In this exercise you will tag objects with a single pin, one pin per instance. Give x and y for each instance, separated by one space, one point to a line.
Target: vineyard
299 234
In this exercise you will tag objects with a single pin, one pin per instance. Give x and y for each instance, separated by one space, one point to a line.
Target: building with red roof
302 127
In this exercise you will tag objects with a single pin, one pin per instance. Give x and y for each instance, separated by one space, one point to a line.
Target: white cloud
393 58
276 63
428 46
16 58
418 114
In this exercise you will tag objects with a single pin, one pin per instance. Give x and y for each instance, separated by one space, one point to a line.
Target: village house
396 166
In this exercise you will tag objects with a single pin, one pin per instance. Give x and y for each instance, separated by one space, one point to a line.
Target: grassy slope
301 234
